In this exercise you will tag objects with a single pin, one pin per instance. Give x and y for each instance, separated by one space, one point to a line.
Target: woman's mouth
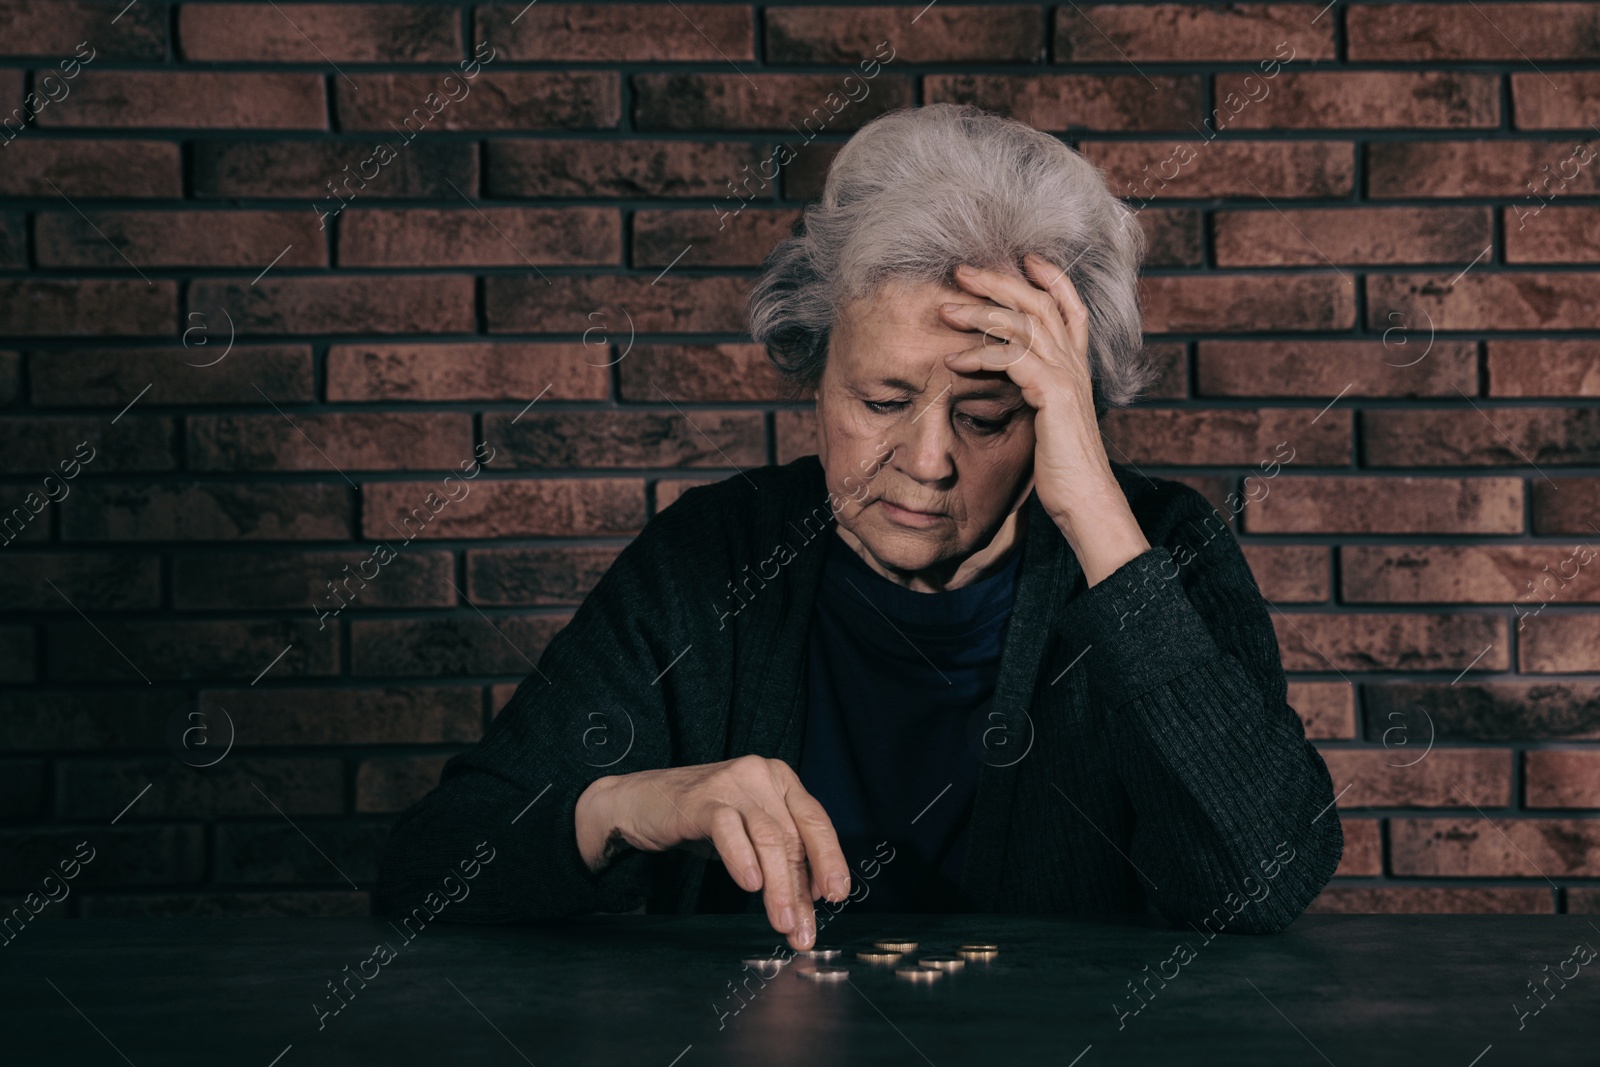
909 516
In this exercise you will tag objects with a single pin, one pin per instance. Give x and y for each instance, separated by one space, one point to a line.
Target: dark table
651 991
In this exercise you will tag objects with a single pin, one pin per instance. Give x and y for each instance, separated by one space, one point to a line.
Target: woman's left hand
1045 330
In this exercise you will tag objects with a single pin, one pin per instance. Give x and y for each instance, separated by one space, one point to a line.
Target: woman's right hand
770 834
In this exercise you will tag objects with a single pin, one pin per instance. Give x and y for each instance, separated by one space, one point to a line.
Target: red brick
320 33
1463 168
124 856
669 489
83 581
632 168
307 169
1363 849
1397 777
1507 848
1294 574
1560 234
22 789
1524 576
10 378
58 29
1171 360
942 34
796 433
1226 436
1392 642
1173 236
207 511
1231 303
803 176
405 715
132 443
38 720
331 441
394 783
1388 505
99 789
629 439
565 507
109 377
536 577
1359 99
1563 99
1077 101
1316 237
700 373
1498 436
298 581
589 33
1479 300
13 241
441 303
450 647
1561 778
483 237
1485 711
235 649
1514 32
94 307
470 371
400 104
1565 505
1431 900
18 654
1187 33
704 239
1326 709
573 304
316 904
1317 368
275 852
179 239
192 100
1544 367
802 104
83 168
1560 644
1278 169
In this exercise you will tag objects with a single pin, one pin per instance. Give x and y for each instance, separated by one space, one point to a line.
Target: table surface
658 991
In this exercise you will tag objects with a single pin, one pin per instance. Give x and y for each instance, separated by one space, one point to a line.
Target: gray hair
917 191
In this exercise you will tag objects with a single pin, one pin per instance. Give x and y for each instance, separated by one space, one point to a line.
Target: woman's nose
923 452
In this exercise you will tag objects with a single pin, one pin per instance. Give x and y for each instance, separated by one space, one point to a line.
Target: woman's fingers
783 873
1022 294
733 846
830 871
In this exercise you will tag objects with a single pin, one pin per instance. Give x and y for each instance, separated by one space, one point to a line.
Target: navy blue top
900 684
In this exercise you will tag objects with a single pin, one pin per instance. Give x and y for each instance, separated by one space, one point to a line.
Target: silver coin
765 966
825 974
919 974
943 963
821 952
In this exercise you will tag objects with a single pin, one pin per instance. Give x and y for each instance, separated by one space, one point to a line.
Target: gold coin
943 963
979 946
821 952
825 974
878 956
919 974
967 952
895 945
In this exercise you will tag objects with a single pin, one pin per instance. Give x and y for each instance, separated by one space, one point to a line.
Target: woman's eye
984 426
884 407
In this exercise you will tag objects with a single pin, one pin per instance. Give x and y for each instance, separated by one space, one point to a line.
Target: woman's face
952 453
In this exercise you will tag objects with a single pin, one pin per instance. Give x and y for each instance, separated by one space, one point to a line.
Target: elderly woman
958 660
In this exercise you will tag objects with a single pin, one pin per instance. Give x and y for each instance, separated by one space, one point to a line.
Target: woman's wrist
594 821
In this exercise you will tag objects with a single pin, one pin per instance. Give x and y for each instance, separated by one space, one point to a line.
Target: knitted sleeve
1235 827
609 695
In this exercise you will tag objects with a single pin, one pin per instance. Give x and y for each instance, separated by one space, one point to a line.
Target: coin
919 974
970 952
825 974
878 956
821 952
765 966
979 946
891 944
943 963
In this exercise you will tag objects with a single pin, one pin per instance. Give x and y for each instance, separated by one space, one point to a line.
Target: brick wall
270 273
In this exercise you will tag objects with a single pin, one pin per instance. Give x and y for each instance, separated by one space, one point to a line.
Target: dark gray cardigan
1143 751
